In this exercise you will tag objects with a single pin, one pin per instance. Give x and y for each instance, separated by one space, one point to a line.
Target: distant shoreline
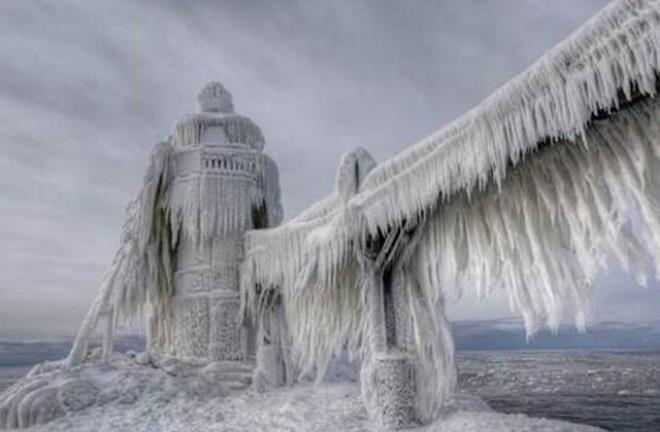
470 336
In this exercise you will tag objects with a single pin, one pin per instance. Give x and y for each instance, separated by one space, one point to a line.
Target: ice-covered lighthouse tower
223 185
182 238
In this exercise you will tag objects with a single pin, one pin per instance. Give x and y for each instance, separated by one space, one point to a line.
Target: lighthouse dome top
214 97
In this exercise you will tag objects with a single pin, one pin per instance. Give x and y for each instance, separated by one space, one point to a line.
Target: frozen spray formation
527 195
183 240
177 266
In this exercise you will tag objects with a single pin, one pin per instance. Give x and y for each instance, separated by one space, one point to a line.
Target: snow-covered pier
528 195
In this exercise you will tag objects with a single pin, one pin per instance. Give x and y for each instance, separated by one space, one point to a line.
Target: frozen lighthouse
177 270
223 185
182 243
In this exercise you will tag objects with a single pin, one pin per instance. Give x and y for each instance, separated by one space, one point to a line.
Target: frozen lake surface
9 375
612 390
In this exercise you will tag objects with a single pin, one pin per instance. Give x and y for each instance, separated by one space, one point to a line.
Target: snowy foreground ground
176 396
333 407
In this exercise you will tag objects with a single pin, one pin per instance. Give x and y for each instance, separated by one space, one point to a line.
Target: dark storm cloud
87 88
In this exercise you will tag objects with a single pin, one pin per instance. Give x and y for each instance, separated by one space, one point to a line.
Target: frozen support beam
272 364
99 307
395 390
388 376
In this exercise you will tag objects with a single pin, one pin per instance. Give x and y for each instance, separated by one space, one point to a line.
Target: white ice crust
528 195
175 396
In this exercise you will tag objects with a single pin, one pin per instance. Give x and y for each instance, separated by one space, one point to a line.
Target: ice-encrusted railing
530 191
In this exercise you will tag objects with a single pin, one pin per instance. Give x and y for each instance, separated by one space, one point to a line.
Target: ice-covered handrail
500 208
275 257
602 65
594 70
279 258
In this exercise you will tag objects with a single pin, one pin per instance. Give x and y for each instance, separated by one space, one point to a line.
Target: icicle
541 233
554 99
137 275
188 131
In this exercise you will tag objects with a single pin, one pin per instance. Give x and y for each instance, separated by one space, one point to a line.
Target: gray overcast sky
88 87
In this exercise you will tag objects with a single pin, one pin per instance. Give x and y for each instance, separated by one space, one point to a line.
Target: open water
617 391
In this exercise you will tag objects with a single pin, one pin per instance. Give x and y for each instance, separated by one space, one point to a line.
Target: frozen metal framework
529 194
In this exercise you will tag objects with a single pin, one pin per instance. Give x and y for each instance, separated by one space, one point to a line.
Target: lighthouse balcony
228 161
228 164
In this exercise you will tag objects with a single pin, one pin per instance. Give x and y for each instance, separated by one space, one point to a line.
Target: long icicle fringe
264 267
541 236
204 205
597 69
141 271
545 232
502 213
275 258
190 130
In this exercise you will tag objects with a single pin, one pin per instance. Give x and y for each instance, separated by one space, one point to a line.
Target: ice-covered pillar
388 371
272 368
224 185
388 375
